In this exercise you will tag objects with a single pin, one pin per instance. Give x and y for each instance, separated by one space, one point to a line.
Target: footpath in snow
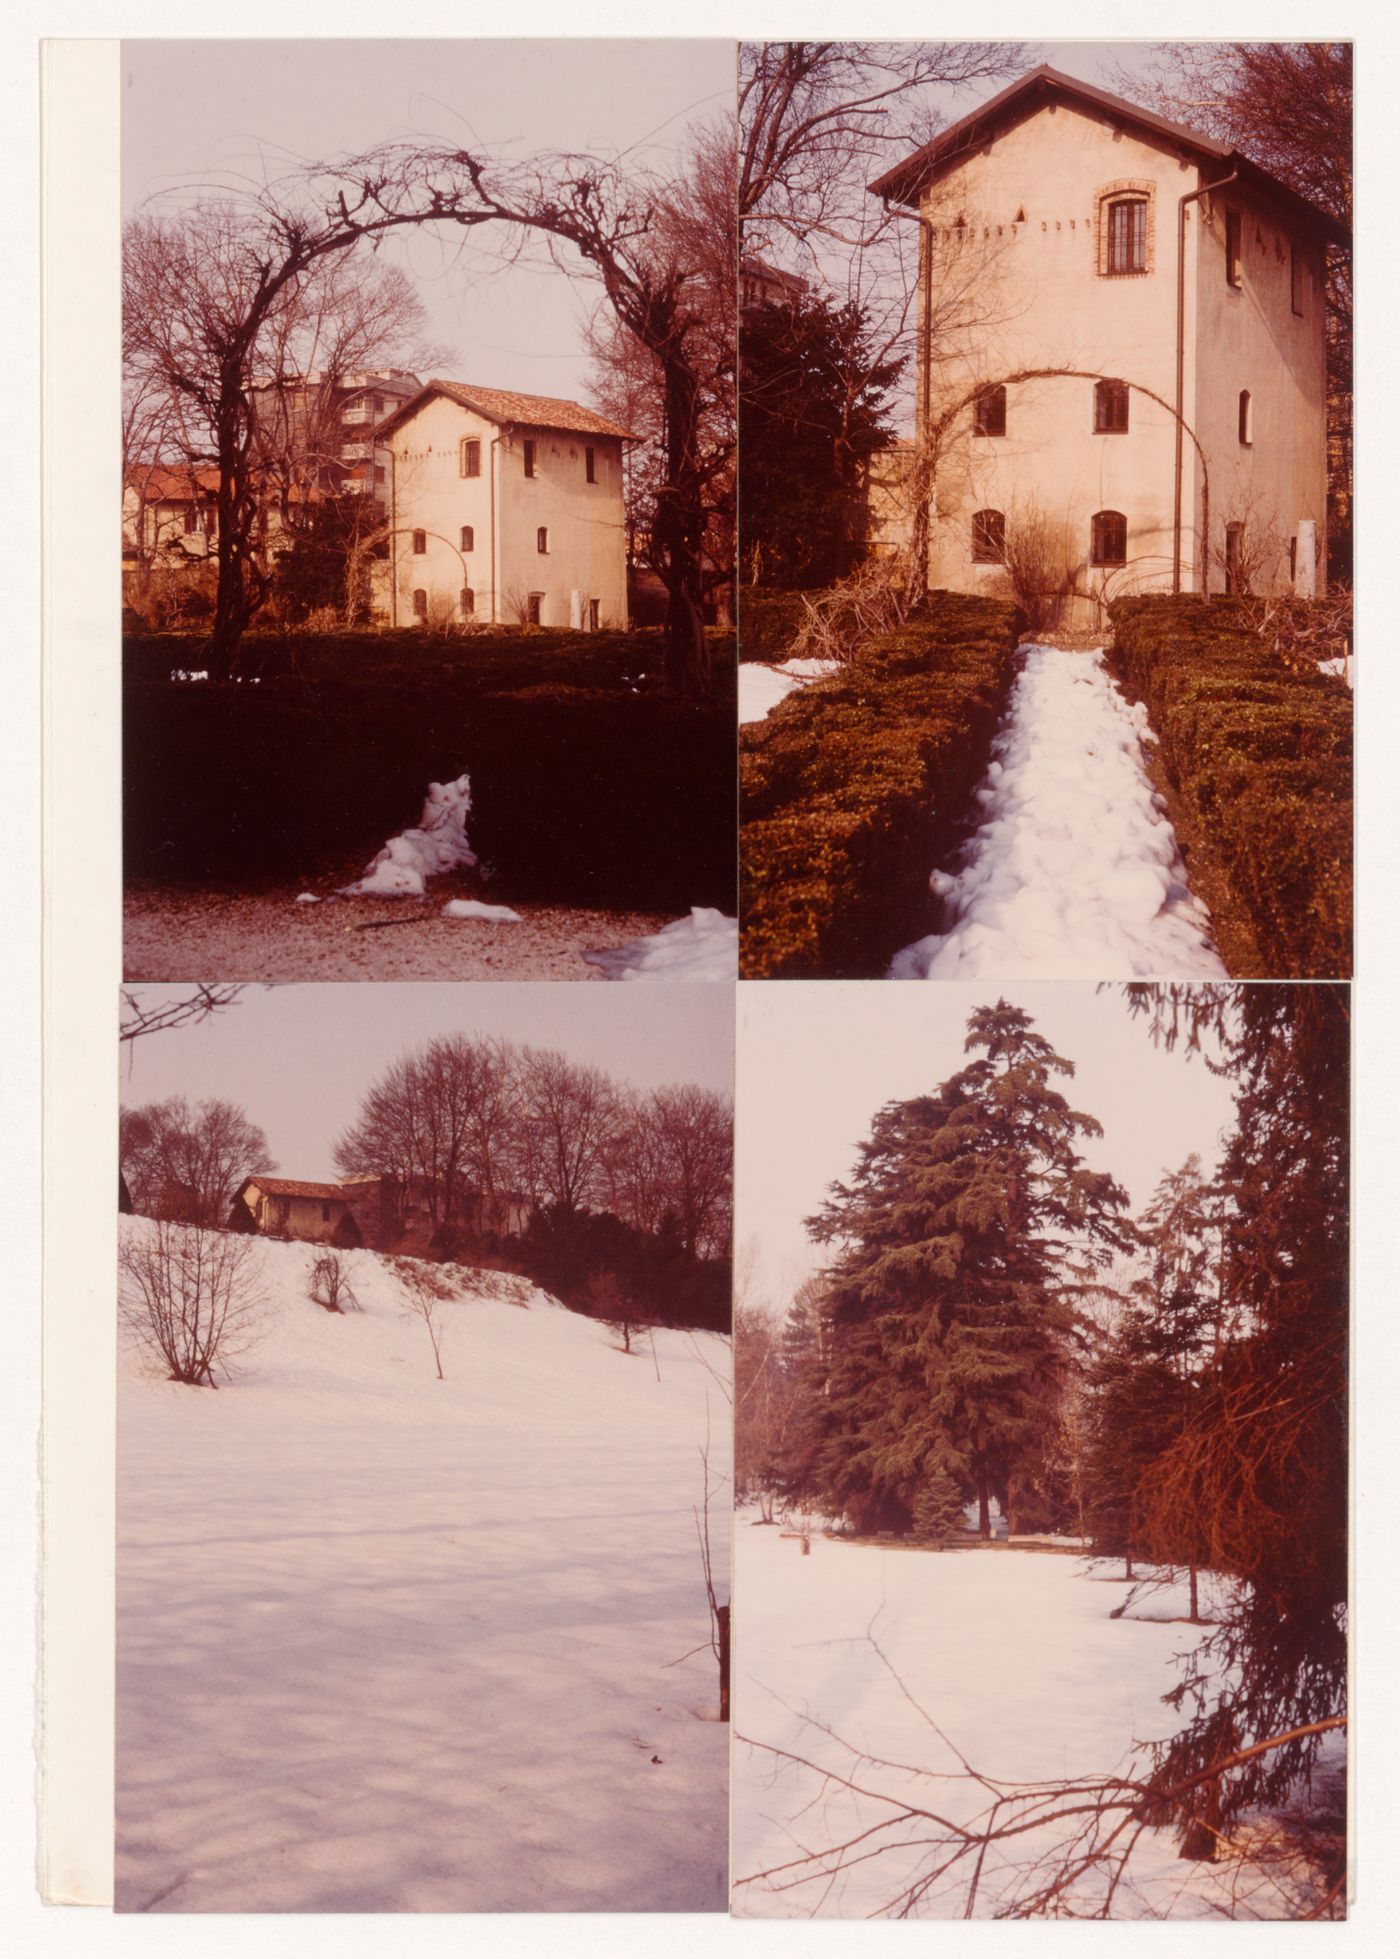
1014 1660
1074 871
390 1643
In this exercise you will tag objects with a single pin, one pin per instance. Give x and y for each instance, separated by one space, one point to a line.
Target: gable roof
1045 85
292 1187
173 482
503 405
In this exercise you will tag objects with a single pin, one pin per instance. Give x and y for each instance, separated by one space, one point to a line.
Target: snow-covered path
1074 871
1012 1657
389 1643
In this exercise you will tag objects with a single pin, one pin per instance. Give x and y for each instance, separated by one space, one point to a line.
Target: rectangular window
590 464
420 604
468 538
529 449
1127 235
1108 538
533 605
988 537
1234 249
468 602
989 414
542 540
593 615
379 472
1111 408
1295 280
420 543
471 457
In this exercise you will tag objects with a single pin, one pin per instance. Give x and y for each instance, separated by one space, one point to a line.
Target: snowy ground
704 946
1015 1658
761 688
1074 871
387 1643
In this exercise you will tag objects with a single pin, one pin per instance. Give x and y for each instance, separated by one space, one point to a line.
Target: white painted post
576 612
1305 571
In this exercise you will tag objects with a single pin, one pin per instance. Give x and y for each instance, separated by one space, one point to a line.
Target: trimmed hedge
767 624
1258 764
853 788
584 794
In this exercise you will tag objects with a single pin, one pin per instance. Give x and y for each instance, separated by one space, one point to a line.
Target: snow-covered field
387 1643
1074 871
704 946
761 688
1010 1654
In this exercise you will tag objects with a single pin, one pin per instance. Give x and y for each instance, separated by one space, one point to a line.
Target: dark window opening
529 458
1234 249
989 412
542 540
325 1214
420 543
1234 558
1246 416
988 537
468 602
468 538
1110 408
379 472
590 466
533 605
1108 544
1292 560
1127 235
471 457
593 615
420 604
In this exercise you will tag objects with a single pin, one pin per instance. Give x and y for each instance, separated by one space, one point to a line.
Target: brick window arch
988 537
1108 538
1127 228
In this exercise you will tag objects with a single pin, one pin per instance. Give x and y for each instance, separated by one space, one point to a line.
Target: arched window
468 538
420 543
1125 236
989 412
1246 416
471 456
468 602
1110 408
1108 538
988 537
420 604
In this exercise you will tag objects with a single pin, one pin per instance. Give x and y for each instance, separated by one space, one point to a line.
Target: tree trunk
1195 1598
722 1627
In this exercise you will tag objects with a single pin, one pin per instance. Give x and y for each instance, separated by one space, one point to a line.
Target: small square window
1234 249
590 466
468 538
542 540
529 449
471 457
420 543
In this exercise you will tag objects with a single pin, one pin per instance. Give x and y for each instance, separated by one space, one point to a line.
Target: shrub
768 622
853 788
1257 757
189 1297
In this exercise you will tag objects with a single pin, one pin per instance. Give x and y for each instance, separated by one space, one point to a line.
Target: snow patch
474 908
438 844
704 946
306 898
1340 668
761 687
1074 871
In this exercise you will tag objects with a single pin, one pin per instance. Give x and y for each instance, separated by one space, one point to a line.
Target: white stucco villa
1174 292
505 508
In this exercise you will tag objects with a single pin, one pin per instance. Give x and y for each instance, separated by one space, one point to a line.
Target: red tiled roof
294 1187
504 405
172 482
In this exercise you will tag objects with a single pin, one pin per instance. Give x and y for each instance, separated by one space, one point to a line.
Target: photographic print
1045 510
1041 1452
423 1477
428 526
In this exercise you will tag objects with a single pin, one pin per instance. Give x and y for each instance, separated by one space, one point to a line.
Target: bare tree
183 1163
427 1290
138 1018
189 1296
568 1114
330 1284
608 1299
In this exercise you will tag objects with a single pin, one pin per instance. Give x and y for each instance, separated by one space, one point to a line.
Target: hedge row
1258 760
855 787
768 622
581 795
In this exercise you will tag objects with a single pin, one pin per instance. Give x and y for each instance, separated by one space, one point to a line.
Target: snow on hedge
438 843
761 687
389 1643
1074 871
1013 1655
704 946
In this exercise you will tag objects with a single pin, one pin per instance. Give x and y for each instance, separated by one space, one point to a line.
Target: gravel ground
173 933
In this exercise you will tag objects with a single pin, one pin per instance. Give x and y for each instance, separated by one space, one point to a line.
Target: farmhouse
1121 371
504 508
385 1213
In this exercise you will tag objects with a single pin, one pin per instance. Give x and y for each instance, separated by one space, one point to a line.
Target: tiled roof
294 1187
171 482
504 405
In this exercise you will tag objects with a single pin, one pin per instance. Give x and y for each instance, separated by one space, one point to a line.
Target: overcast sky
298 1059
218 110
817 1060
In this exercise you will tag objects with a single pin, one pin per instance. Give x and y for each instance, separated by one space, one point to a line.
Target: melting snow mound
761 688
704 946
438 844
473 908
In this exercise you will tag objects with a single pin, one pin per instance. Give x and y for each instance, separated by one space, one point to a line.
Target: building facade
1122 366
506 509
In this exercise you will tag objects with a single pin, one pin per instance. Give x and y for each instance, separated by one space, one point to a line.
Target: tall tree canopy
964 1235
